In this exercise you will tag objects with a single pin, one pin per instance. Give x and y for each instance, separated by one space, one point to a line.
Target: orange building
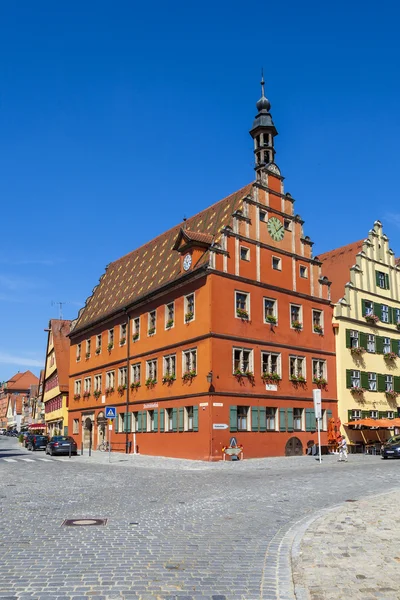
13 393
219 327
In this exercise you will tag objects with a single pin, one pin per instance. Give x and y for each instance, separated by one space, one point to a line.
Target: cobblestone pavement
176 530
351 552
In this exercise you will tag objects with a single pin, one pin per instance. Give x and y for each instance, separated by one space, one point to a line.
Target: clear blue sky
119 118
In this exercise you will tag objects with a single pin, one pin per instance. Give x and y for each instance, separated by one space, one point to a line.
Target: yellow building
55 385
366 292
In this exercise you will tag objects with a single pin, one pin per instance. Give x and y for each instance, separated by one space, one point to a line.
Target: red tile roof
60 330
155 264
336 266
21 382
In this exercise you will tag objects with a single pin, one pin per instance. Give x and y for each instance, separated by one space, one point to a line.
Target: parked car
60 444
391 449
3 431
26 435
37 442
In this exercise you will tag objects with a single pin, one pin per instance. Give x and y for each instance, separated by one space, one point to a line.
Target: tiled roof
195 236
336 266
60 330
22 381
397 261
156 263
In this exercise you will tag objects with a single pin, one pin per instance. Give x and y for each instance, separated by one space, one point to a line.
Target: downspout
128 352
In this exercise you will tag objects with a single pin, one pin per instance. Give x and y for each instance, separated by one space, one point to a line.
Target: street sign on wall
111 412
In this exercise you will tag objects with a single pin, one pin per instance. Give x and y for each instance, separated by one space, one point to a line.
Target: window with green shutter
349 381
363 339
262 419
363 307
195 418
181 418
289 416
127 422
387 281
233 418
156 421
364 380
396 383
395 346
348 339
282 419
140 421
379 344
254 418
174 419
349 415
378 310
116 423
162 420
310 419
381 383
365 414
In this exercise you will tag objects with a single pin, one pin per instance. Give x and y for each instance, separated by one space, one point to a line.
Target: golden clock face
275 229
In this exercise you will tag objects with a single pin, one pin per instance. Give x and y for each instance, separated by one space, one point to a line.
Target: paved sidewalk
351 552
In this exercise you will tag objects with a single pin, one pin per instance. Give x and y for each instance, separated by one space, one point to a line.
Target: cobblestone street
190 530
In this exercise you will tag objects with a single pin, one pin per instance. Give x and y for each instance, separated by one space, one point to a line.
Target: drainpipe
128 352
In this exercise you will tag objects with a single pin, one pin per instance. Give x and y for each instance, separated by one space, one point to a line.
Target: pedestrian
342 450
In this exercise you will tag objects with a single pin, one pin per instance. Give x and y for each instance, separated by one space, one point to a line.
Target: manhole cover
84 522
350 500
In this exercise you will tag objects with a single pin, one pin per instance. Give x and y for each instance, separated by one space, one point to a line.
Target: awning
374 423
37 426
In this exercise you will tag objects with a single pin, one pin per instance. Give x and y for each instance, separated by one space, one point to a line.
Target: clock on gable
275 229
187 262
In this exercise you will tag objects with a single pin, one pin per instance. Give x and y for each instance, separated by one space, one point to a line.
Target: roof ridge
341 248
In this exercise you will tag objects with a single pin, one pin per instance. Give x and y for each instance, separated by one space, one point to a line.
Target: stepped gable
336 265
60 329
155 264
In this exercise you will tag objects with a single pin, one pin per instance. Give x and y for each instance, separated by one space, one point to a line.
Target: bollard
82 449
70 450
90 448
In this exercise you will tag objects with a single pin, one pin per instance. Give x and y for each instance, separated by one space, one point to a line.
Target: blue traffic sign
111 412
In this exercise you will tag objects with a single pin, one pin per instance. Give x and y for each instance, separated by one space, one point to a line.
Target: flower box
390 356
372 319
108 391
121 389
135 337
135 385
87 355
391 394
271 319
270 377
189 375
77 396
150 382
320 381
359 351
98 350
297 325
168 379
298 379
86 394
122 341
189 316
242 314
151 331
97 393
169 323
318 329
110 346
357 390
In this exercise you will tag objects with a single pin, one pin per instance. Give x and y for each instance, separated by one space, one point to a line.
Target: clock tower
263 133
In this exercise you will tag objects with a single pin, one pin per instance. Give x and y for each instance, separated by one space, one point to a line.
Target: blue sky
119 118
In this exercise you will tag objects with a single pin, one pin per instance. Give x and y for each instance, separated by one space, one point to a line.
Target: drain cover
84 522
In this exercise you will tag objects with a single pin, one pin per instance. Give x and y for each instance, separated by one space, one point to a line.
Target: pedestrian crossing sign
111 412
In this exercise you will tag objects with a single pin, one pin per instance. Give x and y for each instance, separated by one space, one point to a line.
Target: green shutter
127 422
116 422
174 419
254 418
181 418
363 339
394 344
349 415
378 310
140 421
289 413
349 383
233 418
156 421
381 383
262 419
144 421
364 380
195 418
313 420
387 281
382 414
390 314
162 417
377 278
282 419
363 308
65 429
379 344
308 419
348 340
396 383
365 414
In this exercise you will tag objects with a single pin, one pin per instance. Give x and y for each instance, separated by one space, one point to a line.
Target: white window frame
268 419
168 420
168 312
372 382
78 352
356 414
371 343
397 313
374 414
385 313
246 303
299 366
78 386
189 303
189 360
244 253
382 280
303 269
319 368
97 380
151 322
274 309
135 373
263 216
266 358
388 383
354 338
169 365
243 352
369 307
87 384
98 343
299 419
278 261
110 379
122 376
287 224
152 369
355 378
390 414
88 347
246 417
386 345
188 418
320 321
122 334
150 421
111 336
75 426
300 313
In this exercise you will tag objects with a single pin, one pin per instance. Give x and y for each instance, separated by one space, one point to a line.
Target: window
122 376
355 415
390 414
189 308
151 323
136 328
369 307
170 366
78 352
270 363
111 338
189 362
386 345
151 369
75 426
98 343
242 305
263 216
244 253
319 368
355 378
122 334
295 316
297 367
354 339
97 383
388 383
270 311
382 280
169 419
78 387
169 315
242 361
372 382
374 414
150 420
110 379
242 418
303 272
88 345
298 419
276 263
270 419
87 384
287 224
397 315
318 320
135 373
188 418
384 313
371 343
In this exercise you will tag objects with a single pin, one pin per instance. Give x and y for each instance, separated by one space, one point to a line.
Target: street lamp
210 377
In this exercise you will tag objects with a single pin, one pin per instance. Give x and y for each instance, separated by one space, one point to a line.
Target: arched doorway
101 428
87 432
293 447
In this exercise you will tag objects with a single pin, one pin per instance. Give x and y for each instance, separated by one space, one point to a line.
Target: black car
60 444
37 442
25 438
391 449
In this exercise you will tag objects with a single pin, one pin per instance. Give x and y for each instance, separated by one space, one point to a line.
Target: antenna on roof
60 305
184 221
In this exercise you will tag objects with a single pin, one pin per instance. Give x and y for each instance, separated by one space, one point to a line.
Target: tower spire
263 131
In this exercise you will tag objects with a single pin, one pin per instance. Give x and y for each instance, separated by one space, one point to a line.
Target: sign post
318 414
111 413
